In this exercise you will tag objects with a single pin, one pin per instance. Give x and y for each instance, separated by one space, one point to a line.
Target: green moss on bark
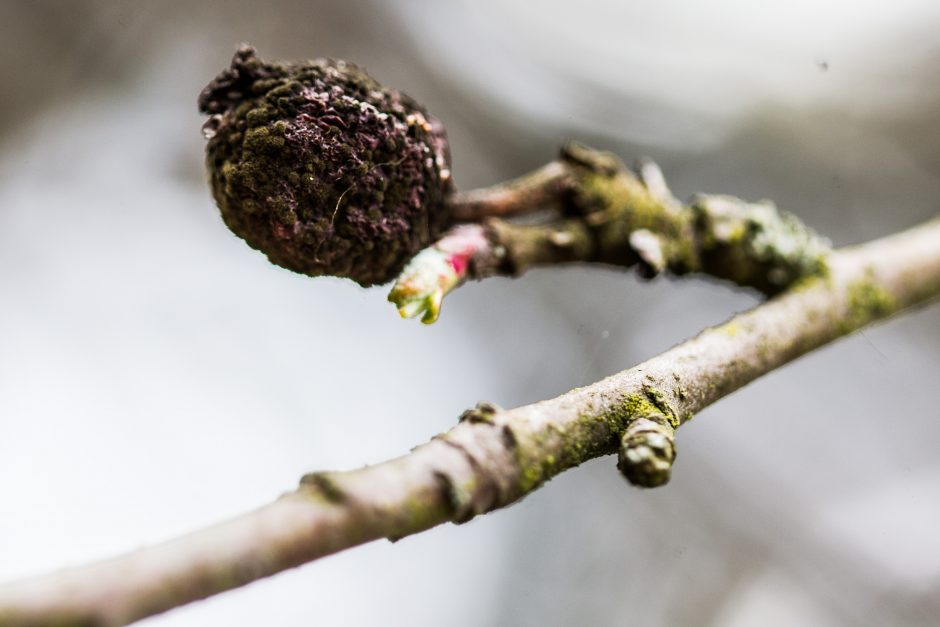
867 301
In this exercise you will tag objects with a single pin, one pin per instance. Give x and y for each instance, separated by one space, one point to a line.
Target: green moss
537 470
551 451
619 204
755 244
650 403
532 476
638 405
622 194
809 282
866 301
574 452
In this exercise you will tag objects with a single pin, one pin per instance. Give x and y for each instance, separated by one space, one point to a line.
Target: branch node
482 412
477 495
756 244
578 154
324 484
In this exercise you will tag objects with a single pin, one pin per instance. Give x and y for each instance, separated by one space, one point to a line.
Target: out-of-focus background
157 375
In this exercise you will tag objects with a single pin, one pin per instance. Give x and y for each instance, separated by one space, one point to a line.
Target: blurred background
157 375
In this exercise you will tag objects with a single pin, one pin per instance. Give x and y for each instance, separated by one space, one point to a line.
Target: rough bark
608 214
493 457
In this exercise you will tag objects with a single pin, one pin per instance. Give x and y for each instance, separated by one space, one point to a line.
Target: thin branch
494 457
540 189
612 216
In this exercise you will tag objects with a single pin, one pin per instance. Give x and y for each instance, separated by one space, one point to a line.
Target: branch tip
436 271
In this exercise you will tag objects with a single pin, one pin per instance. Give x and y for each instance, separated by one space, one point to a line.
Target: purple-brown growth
323 169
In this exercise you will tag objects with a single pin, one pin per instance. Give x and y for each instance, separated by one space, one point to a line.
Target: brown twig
493 457
538 190
610 215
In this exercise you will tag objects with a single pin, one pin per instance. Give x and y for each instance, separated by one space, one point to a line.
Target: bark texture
606 213
494 457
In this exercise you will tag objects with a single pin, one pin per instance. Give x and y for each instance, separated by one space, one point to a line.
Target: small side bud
647 451
654 180
649 248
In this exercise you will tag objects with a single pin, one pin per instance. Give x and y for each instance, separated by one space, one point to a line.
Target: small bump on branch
647 452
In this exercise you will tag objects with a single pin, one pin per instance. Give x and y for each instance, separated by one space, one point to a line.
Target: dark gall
323 169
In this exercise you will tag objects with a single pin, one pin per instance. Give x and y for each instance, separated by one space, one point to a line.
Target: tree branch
494 457
539 189
610 215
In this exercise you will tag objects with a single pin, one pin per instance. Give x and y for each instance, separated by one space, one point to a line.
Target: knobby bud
323 169
647 452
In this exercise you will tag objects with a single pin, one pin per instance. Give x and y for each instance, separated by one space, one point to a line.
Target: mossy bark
621 218
493 457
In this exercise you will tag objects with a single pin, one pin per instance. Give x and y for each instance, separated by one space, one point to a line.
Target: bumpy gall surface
323 169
